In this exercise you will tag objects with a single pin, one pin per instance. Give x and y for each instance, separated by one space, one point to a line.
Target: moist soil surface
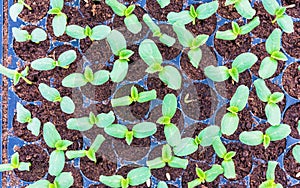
161 13
97 11
228 12
290 164
291 42
291 118
39 10
161 88
295 11
291 80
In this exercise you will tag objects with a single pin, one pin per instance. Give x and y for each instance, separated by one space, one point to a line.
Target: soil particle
291 117
161 88
228 12
291 80
161 13
290 164
295 11
97 11
39 10
291 42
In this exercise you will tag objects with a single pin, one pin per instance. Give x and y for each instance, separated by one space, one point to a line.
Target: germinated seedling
273 133
63 61
237 30
37 35
52 95
149 52
270 175
15 75
15 164
17 8
99 32
131 21
272 109
59 22
239 65
24 116
206 176
53 140
63 180
163 38
243 7
203 12
269 64
163 3
78 79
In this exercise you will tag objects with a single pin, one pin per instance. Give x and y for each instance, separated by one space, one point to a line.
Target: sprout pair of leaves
163 3
296 153
63 180
17 8
270 175
163 38
15 75
24 116
78 79
52 95
53 140
37 35
64 60
203 12
206 176
99 32
131 21
135 177
15 164
240 64
284 21
59 22
243 7
230 120
149 52
90 153
135 96
167 158
187 40
273 133
236 30
272 110
269 65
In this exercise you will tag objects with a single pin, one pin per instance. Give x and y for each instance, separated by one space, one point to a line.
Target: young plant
236 30
37 35
15 75
24 116
17 8
269 65
270 175
272 109
15 164
150 54
63 180
57 157
187 40
52 95
206 176
135 177
203 12
273 133
64 60
163 38
239 65
131 21
163 3
135 96
296 153
284 21
227 164
167 159
230 120
59 22
99 32
78 79
243 7
90 153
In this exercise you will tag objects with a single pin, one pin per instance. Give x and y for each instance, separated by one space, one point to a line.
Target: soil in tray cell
153 82
291 166
291 80
161 14
291 117
291 42
228 12
293 11
97 11
39 10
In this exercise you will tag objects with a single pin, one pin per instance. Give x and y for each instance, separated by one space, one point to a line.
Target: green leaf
219 148
216 74
270 6
75 31
144 129
229 169
213 173
67 58
56 162
125 54
55 11
167 40
279 56
6 167
64 179
20 35
185 147
208 135
57 4
270 175
234 74
276 97
123 101
166 153
240 97
273 41
169 105
266 141
116 130
38 35
278 132
195 57
88 74
172 134
226 35
67 105
105 120
163 3
244 9
235 28
194 183
229 123
267 67
149 52
79 124
23 115
138 176
262 90
40 184
24 166
73 154
247 28
178 163
15 10
100 32
59 24
151 24
74 80
7 72
132 23
200 40
147 96
206 10
43 64
51 135
118 8
171 77
62 145
119 71
296 153
286 24
91 155
251 138
129 10
97 143
185 37
182 17
156 163
34 126
112 181
15 162
100 77
273 113
116 41
164 120
162 184
244 61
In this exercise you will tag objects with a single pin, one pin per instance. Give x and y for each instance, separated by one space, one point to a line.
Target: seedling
206 176
269 65
272 109
17 8
52 95
15 75
24 116
57 157
135 177
63 61
239 65
131 21
15 164
236 30
230 120
203 12
150 54
37 35
187 40
284 21
270 175
163 38
99 32
227 163
90 153
273 133
296 153
243 7
64 180
59 22
163 3
167 159
78 79
135 96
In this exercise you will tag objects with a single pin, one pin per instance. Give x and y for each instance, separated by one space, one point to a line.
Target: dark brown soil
290 164
235 184
291 80
291 42
123 171
295 11
161 13
93 54
98 186
39 10
228 12
96 11
161 88
291 117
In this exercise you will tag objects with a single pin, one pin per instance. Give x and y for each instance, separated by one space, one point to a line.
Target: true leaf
279 56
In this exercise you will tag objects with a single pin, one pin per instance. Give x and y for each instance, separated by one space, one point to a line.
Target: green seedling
59 22
163 3
15 164
206 176
63 180
99 32
15 75
17 8
296 153
270 175
37 35
243 7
